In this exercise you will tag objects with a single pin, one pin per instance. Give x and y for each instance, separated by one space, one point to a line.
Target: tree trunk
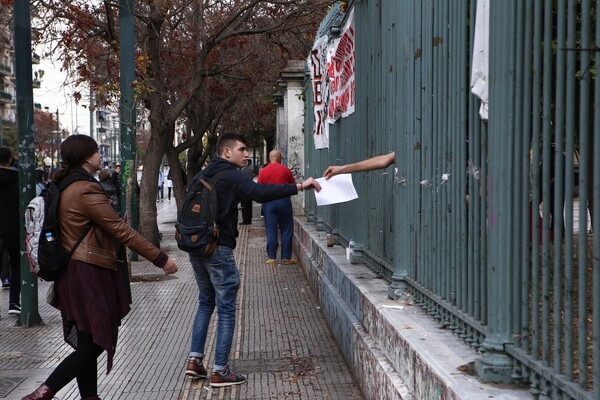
149 181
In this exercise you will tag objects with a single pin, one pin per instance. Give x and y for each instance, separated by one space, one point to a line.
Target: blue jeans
218 282
279 213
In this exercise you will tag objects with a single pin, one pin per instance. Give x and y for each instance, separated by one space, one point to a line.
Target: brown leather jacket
83 203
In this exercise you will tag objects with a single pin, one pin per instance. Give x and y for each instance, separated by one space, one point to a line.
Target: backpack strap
76 245
219 175
74 177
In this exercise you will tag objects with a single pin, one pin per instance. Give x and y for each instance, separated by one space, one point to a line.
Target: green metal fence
487 224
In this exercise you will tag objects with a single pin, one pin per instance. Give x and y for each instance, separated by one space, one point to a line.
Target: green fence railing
488 223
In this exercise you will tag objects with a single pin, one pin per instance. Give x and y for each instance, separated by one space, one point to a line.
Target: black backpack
197 228
47 257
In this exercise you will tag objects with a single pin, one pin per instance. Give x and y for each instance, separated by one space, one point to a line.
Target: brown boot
41 393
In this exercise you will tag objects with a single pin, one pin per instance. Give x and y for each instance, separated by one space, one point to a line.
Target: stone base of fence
394 350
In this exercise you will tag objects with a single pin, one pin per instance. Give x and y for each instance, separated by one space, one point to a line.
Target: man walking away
278 213
9 225
217 275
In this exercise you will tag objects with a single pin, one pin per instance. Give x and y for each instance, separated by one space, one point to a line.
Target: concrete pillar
290 123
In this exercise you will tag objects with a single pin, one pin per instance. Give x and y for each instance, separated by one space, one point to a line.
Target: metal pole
495 365
25 129
127 114
92 113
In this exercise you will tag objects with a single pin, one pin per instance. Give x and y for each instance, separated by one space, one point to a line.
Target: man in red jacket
278 213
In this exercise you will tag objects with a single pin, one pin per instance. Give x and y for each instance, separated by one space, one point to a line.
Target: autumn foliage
204 65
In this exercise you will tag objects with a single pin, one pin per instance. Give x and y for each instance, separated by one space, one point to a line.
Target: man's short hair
5 156
228 140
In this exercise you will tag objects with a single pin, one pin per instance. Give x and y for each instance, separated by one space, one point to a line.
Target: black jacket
10 217
235 187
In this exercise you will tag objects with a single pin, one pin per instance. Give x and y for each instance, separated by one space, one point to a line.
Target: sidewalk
282 342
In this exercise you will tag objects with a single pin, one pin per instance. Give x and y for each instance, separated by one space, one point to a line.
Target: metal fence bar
595 224
536 182
559 104
424 274
525 326
546 176
568 286
472 284
415 162
521 180
585 64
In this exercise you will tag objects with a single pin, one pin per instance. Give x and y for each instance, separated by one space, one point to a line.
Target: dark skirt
93 300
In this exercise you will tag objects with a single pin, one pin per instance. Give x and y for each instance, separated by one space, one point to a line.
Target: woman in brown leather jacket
94 291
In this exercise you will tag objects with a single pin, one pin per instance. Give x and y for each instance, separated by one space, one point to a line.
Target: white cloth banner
333 75
340 60
481 56
318 74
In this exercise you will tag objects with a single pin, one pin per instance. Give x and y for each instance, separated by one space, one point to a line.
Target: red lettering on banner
318 92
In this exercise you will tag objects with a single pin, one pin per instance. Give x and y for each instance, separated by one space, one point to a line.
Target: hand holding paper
337 189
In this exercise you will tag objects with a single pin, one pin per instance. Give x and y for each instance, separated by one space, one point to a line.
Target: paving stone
282 342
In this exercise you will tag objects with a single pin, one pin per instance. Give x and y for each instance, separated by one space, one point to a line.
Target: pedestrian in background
10 221
169 186
218 276
41 179
93 292
115 179
278 213
247 204
110 189
160 194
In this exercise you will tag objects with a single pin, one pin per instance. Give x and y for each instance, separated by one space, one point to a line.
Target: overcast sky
56 94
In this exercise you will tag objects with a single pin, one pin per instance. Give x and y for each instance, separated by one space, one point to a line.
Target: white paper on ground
337 189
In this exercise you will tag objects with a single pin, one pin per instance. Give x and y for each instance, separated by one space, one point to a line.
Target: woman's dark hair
74 151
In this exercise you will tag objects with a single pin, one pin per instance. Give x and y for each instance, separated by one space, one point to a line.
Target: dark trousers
246 211
80 365
279 214
15 275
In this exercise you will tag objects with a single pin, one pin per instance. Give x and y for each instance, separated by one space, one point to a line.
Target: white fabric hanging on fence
481 56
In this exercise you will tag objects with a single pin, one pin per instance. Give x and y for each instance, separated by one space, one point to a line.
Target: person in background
93 292
217 275
169 186
10 221
278 213
160 194
247 204
370 164
109 188
115 179
41 181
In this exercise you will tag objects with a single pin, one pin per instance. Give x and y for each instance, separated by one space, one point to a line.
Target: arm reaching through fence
377 162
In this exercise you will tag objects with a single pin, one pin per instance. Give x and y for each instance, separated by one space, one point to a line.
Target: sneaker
5 283
271 261
14 309
226 378
194 368
288 261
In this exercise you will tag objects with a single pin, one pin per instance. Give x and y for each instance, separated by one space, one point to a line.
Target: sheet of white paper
337 189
